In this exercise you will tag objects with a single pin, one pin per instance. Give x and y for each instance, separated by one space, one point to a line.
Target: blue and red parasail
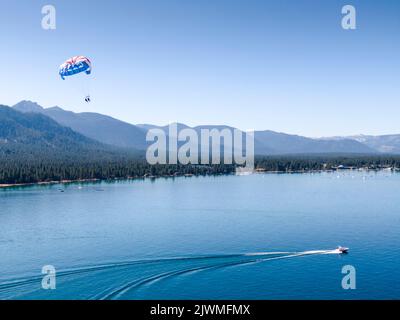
74 66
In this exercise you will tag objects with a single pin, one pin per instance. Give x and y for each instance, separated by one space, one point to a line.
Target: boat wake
122 280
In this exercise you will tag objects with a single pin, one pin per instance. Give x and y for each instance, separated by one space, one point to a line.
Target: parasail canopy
74 66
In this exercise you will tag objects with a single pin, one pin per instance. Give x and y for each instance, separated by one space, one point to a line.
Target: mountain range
32 137
95 130
32 129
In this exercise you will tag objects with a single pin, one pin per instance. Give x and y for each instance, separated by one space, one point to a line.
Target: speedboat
342 249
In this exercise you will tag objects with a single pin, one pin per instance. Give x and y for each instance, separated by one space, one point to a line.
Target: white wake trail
294 254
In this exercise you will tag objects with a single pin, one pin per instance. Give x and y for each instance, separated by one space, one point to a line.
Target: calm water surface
225 237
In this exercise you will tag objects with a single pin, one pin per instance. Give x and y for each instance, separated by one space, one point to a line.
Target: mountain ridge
96 126
115 132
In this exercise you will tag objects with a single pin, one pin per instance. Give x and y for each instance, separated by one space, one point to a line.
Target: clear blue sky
281 65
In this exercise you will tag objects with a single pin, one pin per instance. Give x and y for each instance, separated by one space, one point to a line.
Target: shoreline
256 171
11 185
40 183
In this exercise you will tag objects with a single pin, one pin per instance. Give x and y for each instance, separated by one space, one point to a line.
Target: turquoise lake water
224 237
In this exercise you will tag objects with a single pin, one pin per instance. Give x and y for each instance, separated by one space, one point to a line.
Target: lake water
224 237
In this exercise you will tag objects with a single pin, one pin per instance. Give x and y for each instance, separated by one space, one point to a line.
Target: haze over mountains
33 138
114 132
385 144
93 125
32 129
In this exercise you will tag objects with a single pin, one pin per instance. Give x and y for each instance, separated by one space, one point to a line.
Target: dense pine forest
32 169
94 166
298 163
